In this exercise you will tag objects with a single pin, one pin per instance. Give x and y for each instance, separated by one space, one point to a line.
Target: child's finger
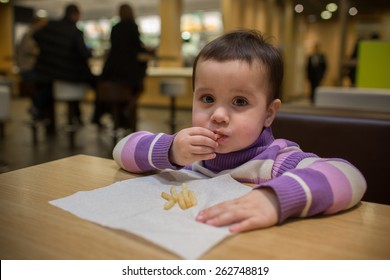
246 225
203 141
202 150
203 131
212 215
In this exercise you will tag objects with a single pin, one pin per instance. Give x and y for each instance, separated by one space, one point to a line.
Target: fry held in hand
185 198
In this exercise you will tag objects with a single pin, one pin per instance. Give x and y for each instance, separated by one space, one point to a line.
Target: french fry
192 197
169 204
184 191
174 193
185 198
180 200
166 196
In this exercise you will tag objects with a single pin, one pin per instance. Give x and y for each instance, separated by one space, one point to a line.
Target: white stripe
307 191
254 169
117 152
151 149
307 161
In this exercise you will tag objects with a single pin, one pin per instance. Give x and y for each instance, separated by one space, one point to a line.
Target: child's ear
271 112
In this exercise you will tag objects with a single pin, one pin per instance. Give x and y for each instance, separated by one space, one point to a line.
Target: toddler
236 83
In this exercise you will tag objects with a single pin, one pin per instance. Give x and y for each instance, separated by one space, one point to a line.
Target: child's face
230 99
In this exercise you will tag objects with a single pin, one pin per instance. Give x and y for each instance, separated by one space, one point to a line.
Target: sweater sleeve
307 185
143 151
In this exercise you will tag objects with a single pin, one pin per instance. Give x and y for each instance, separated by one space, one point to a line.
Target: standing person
123 65
316 67
236 81
27 52
63 56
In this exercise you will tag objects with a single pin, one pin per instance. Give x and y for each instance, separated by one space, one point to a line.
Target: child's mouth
219 137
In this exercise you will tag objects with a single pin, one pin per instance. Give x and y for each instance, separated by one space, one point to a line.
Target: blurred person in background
27 52
63 56
124 66
316 67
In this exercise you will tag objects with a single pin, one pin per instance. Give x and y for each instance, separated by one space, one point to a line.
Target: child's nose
220 115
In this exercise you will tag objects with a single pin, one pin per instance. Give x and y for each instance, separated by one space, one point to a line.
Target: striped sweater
304 184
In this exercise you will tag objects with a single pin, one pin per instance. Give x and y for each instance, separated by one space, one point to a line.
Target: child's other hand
193 144
256 209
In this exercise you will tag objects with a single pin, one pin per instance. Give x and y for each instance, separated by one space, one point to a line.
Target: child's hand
256 209
193 144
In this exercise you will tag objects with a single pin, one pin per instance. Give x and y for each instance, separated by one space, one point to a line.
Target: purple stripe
319 186
339 184
292 160
160 156
128 152
142 153
279 162
292 198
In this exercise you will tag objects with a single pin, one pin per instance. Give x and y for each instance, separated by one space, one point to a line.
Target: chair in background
118 98
173 87
46 120
358 136
71 93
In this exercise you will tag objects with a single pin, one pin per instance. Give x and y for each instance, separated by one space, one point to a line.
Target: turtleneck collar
235 159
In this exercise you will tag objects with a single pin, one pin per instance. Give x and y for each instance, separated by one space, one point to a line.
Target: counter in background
152 95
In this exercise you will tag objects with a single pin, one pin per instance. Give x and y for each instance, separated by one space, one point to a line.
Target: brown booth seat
361 137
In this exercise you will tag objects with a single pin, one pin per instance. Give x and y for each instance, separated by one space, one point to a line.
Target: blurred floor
17 149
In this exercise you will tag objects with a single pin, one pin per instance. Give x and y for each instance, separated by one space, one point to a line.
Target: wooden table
31 228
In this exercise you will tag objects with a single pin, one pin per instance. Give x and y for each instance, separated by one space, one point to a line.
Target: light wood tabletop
31 228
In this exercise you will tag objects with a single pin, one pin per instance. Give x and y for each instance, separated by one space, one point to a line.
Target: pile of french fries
185 198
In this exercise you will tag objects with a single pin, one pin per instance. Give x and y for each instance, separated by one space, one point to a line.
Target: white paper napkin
135 205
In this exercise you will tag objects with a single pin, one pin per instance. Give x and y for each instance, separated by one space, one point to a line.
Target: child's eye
207 99
240 102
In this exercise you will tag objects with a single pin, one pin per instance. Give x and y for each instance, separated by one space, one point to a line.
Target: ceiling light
326 15
353 11
186 35
41 13
299 8
331 7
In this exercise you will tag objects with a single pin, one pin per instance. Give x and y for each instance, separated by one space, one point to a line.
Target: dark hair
250 46
126 12
70 10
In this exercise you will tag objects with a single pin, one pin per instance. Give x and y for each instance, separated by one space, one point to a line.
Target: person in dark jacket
123 65
316 67
63 55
